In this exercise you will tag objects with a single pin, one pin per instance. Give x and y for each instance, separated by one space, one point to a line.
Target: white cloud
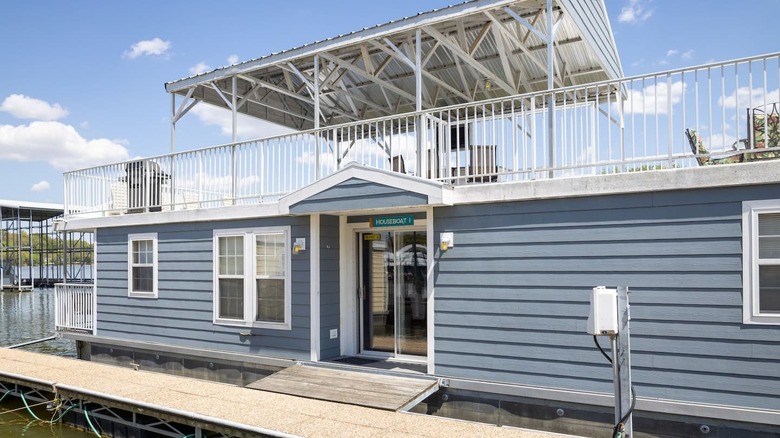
84 124
687 54
653 99
634 12
40 186
672 52
153 47
199 68
232 59
248 127
24 107
58 144
745 97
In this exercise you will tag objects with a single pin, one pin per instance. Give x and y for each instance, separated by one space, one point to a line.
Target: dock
247 412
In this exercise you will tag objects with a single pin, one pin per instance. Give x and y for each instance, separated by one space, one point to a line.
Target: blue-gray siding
357 194
329 286
182 314
512 294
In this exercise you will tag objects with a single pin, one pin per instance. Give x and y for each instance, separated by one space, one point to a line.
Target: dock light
446 240
299 245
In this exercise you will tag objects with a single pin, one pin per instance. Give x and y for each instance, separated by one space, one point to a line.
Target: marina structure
457 183
33 254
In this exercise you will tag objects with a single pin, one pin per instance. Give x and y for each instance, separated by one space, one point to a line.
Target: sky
82 81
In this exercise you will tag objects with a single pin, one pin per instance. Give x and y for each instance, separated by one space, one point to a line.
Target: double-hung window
761 255
252 277
142 265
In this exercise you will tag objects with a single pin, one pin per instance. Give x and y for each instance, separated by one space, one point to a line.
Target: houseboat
455 184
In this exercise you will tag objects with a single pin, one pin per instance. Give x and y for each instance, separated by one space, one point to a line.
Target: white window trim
750 212
250 276
133 238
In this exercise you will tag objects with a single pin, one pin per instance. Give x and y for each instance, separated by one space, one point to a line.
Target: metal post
418 101
550 86
317 145
624 358
234 108
173 122
616 377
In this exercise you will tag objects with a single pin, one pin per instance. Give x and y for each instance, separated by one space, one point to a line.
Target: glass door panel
411 257
394 292
377 286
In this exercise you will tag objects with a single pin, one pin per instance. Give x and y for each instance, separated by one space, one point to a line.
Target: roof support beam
396 54
468 59
525 23
480 37
501 47
522 46
278 89
382 83
185 106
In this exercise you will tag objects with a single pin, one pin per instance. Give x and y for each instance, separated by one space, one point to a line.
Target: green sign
405 220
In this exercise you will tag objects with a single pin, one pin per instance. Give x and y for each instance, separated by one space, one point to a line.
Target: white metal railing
74 307
631 124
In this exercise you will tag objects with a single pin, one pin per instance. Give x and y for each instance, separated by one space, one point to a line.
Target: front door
393 279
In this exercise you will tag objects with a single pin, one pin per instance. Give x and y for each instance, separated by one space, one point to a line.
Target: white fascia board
434 190
730 175
381 31
225 213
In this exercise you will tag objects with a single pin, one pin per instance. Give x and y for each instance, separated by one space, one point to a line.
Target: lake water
26 316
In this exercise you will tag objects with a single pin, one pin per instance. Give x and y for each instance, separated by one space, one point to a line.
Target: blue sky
82 81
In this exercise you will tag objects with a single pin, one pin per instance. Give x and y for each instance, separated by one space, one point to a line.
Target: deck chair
703 155
397 164
764 131
118 197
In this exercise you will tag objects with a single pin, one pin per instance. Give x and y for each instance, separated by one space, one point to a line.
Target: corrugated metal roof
353 92
40 210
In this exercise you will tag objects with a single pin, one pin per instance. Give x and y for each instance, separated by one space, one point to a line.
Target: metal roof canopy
477 50
38 211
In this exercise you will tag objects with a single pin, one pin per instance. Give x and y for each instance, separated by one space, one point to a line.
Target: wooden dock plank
375 390
298 416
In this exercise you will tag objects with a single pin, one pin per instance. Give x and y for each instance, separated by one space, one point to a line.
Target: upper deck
471 94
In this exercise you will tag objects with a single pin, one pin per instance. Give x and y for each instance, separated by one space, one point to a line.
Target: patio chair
764 132
118 198
703 155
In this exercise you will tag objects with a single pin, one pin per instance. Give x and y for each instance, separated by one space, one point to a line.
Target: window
142 265
252 278
761 253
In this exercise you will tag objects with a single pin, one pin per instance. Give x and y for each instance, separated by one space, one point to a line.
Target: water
27 316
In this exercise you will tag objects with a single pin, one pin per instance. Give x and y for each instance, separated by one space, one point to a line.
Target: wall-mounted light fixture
446 240
299 245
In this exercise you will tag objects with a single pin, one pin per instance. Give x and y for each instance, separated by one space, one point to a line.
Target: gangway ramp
374 389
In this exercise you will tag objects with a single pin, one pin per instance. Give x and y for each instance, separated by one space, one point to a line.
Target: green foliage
46 249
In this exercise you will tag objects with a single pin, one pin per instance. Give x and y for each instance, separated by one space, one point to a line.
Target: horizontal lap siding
182 314
353 195
512 295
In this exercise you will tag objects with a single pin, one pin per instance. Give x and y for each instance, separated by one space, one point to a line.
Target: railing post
550 86
317 143
234 174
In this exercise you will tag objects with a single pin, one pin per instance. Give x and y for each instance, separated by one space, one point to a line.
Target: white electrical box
603 317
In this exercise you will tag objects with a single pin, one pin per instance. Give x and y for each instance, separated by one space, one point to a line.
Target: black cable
596 340
633 393
625 417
